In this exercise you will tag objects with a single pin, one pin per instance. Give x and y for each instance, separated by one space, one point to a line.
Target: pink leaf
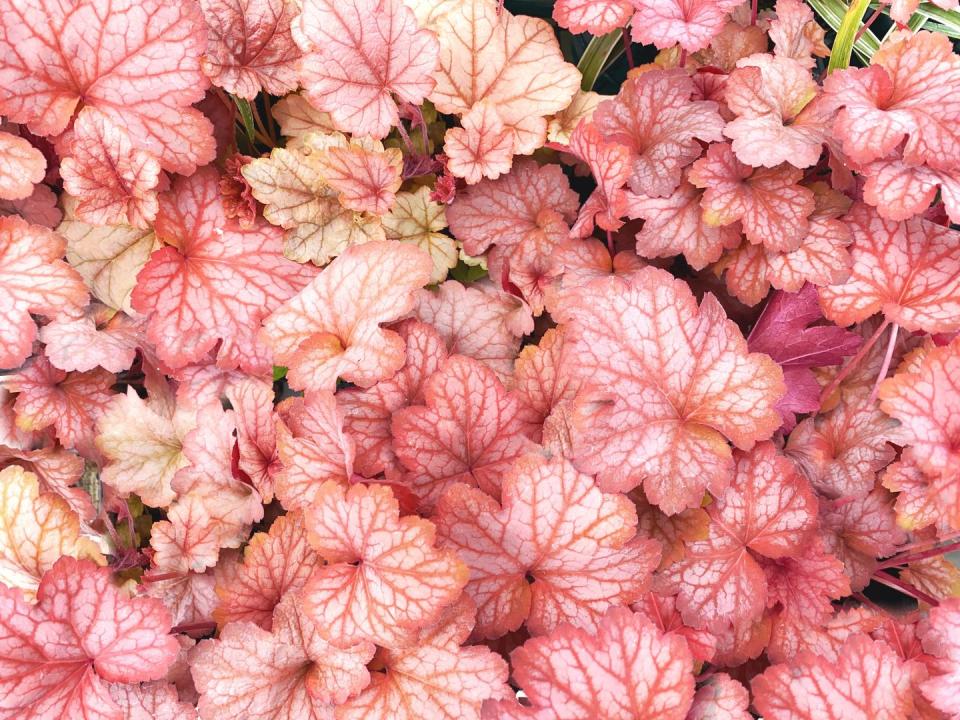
594 16
22 166
469 430
249 46
99 337
654 117
33 279
627 668
482 148
556 550
358 56
332 328
384 578
691 23
214 282
81 632
144 81
720 698
941 640
114 182
645 337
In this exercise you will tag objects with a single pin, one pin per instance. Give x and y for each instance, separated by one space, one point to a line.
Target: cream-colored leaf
418 220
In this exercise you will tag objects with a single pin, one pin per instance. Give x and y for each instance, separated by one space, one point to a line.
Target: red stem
160 577
886 362
628 47
754 9
683 57
610 243
194 627
852 362
885 578
906 558
866 26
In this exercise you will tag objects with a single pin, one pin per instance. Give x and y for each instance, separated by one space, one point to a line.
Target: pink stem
885 578
866 26
904 559
160 577
886 362
405 137
754 10
852 362
610 243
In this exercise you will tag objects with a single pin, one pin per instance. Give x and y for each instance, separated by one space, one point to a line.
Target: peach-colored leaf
22 166
656 119
384 577
670 384
108 258
257 456
720 698
144 81
556 550
143 446
778 117
597 17
332 328
358 55
368 412
81 633
909 271
482 148
926 401
275 563
796 34
469 430
512 62
151 701
113 181
770 204
418 220
249 46
98 337
313 448
33 279
291 673
627 669
691 23
940 639
867 681
36 529
610 164
768 511
366 176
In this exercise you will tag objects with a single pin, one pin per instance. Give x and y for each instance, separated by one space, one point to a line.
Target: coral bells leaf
942 641
908 93
98 337
926 401
909 271
384 577
144 81
768 202
654 117
21 168
368 413
33 279
557 550
151 701
594 16
313 448
720 698
513 62
610 163
691 23
482 148
778 117
627 669
796 34
418 220
291 672
505 211
36 529
768 511
867 681
367 178
358 55
671 383
332 328
275 563
114 183
250 47
435 678
81 633
469 430
214 281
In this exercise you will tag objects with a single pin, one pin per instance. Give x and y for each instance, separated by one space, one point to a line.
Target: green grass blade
842 48
596 57
246 115
832 12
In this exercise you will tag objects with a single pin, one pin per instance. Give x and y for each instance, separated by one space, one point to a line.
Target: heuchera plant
429 360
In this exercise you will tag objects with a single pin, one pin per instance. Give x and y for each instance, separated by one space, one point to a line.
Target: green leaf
598 55
846 36
279 372
944 21
833 12
246 114
467 273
